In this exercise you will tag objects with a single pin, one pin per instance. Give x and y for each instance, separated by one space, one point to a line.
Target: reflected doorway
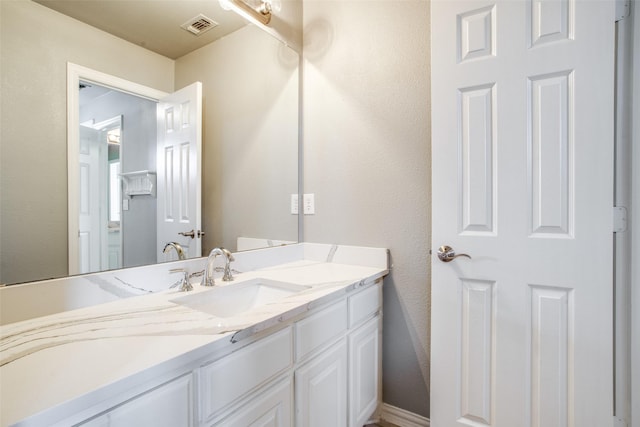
117 135
100 213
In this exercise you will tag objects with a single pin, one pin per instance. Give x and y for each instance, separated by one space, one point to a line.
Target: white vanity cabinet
322 369
339 384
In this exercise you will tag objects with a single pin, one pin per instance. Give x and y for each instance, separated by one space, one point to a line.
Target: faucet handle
228 275
228 254
184 283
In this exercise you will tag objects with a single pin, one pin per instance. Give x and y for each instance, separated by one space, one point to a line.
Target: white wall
367 159
35 45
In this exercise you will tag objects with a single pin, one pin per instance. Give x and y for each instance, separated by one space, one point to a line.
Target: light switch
295 205
125 204
309 204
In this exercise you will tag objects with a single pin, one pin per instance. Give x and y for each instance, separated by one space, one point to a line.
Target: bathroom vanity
294 340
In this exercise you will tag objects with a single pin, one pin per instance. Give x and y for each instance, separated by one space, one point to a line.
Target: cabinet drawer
364 304
320 328
227 379
272 407
169 405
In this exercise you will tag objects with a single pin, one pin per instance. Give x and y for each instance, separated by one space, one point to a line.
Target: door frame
75 73
626 242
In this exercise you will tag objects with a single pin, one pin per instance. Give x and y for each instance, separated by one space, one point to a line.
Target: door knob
447 254
191 234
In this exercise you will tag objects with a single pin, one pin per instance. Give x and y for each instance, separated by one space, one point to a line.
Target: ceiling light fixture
261 14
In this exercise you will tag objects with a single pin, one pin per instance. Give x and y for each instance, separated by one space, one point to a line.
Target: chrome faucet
177 247
207 279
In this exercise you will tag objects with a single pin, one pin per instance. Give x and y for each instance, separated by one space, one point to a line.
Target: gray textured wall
367 159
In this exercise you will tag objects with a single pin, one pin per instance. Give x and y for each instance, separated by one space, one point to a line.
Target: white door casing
522 149
179 171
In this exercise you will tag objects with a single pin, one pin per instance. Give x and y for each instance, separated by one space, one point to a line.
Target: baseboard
402 418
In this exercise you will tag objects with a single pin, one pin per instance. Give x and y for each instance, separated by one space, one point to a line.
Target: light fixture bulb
269 6
225 4
276 5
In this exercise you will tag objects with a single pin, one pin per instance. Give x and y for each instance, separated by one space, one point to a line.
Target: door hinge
619 422
622 9
619 219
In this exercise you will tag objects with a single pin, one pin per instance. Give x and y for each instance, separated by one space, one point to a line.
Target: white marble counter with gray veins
50 360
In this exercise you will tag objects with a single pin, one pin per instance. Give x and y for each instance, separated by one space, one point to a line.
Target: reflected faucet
207 279
177 247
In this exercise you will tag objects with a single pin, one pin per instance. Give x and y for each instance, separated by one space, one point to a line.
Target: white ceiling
152 24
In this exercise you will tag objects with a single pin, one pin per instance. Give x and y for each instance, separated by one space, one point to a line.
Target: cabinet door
169 405
271 408
364 372
321 389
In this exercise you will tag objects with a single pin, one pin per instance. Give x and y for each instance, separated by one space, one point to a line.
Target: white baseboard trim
402 418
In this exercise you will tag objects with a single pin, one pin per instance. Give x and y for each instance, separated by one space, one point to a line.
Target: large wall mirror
249 127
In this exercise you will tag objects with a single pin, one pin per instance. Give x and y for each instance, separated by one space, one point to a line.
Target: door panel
90 157
522 140
179 171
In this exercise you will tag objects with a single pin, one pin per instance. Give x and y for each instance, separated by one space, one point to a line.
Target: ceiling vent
199 25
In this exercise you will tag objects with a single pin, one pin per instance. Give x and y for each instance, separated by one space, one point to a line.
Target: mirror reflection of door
179 172
117 135
100 238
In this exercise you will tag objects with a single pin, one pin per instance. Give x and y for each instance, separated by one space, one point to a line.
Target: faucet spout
177 247
207 279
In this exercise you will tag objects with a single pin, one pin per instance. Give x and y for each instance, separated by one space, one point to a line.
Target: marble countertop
51 361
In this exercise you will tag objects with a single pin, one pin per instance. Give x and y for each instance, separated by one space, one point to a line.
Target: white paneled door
179 172
92 159
522 101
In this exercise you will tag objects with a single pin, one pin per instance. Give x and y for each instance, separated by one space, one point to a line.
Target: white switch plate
125 204
294 204
309 204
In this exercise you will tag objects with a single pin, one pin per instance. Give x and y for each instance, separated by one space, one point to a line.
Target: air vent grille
199 25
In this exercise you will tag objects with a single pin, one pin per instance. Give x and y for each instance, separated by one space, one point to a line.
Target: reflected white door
522 182
179 171
91 158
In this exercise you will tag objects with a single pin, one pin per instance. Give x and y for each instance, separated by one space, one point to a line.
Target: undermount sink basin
233 299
